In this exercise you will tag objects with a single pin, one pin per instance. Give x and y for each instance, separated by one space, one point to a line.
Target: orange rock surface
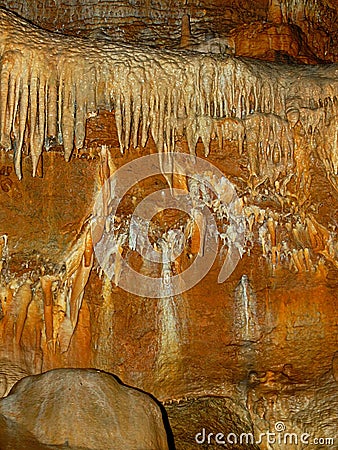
252 91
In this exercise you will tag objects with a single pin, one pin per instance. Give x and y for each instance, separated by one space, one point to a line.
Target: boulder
85 408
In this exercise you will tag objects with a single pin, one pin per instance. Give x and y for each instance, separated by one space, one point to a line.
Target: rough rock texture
9 374
192 421
273 42
51 84
311 408
87 409
157 22
15 437
335 366
267 336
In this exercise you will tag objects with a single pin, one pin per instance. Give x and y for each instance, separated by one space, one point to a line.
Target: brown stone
210 422
335 366
10 373
277 42
267 336
87 409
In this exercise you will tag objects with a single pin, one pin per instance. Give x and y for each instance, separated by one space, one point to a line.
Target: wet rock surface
241 356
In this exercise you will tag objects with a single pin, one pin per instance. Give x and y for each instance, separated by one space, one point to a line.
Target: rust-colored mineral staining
239 101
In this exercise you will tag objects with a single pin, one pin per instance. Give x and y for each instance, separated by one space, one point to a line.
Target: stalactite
46 285
104 176
230 129
270 145
79 283
78 267
22 300
50 84
185 31
48 312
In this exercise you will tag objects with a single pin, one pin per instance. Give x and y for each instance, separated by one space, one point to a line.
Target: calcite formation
51 84
259 346
148 22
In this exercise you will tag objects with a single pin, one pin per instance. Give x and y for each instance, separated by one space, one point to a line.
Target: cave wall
159 23
267 336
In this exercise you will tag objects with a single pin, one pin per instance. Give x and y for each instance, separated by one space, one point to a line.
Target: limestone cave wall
246 93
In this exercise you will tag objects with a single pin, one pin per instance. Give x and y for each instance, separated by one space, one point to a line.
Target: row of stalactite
298 244
50 85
